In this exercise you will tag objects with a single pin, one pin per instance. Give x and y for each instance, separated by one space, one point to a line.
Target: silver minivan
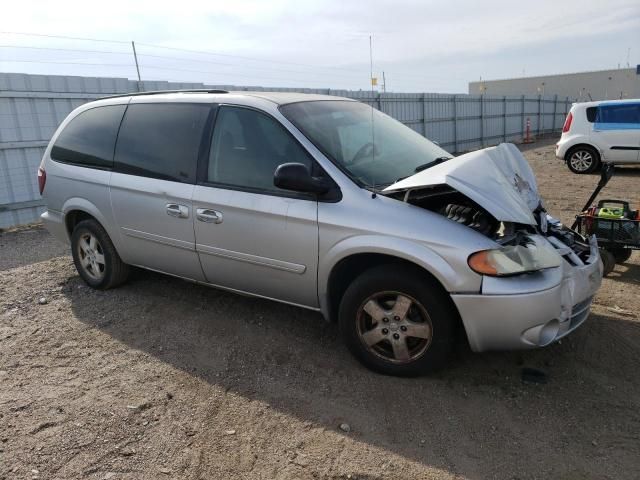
324 203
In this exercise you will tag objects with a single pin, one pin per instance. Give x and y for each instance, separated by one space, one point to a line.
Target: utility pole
135 57
384 83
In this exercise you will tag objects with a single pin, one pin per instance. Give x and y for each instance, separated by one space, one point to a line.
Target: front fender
417 253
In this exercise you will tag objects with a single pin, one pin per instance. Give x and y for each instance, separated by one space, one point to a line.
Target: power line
222 73
148 55
183 59
130 65
152 67
63 37
347 72
203 52
77 50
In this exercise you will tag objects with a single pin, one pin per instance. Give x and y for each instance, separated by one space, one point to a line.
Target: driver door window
247 148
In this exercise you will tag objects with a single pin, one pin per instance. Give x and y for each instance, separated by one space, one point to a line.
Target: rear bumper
568 140
557 303
54 223
562 147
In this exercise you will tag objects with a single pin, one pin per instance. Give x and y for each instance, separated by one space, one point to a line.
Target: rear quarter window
591 114
89 138
161 140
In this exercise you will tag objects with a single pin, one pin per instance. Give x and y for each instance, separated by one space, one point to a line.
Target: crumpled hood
499 179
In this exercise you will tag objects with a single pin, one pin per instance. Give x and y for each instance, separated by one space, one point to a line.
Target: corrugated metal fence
32 106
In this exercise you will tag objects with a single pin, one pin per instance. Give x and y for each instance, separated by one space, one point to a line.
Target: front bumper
533 310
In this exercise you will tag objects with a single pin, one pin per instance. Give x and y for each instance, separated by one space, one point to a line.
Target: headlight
535 254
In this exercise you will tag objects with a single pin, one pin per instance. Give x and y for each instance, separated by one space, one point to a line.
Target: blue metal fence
32 106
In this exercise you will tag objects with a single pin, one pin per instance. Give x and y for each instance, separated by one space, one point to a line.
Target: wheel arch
77 209
577 146
351 257
352 266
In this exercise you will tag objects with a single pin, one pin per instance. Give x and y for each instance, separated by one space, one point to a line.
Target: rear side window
89 139
621 114
591 114
161 140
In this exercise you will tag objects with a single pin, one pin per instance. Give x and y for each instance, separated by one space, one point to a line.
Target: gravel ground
165 379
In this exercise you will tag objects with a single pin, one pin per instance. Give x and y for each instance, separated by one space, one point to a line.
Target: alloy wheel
394 327
581 160
91 256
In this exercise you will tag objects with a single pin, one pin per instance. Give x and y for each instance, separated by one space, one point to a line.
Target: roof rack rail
157 92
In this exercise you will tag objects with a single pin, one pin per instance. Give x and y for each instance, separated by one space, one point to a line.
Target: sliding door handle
178 211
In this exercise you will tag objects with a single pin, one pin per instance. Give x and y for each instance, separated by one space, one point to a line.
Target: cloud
426 41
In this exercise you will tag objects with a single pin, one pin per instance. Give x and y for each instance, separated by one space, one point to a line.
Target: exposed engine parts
576 242
457 207
474 218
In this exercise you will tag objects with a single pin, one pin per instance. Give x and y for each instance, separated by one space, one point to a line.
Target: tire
95 257
381 292
621 254
608 262
583 159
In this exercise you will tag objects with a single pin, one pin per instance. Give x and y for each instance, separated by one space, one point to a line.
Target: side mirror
296 177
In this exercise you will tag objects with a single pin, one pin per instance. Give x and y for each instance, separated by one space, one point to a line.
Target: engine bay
455 206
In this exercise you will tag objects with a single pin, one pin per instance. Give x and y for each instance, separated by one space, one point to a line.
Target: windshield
375 157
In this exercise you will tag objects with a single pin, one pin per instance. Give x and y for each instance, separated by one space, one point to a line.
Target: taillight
567 123
42 179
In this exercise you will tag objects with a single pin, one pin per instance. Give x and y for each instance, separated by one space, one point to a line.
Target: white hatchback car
596 132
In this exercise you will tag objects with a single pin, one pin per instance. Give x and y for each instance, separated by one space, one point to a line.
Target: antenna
373 135
135 57
628 55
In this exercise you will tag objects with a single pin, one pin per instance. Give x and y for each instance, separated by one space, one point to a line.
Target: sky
421 46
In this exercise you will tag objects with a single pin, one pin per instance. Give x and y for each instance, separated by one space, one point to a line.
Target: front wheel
397 322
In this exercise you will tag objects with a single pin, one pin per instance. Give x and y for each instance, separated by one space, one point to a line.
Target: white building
581 86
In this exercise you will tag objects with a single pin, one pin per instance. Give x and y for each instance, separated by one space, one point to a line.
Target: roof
282 98
279 98
607 102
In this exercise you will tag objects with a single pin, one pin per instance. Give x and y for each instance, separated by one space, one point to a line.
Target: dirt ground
165 379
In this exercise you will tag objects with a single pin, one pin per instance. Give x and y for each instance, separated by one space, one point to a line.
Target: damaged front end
538 263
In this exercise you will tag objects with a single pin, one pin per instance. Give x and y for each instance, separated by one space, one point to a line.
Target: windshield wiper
433 163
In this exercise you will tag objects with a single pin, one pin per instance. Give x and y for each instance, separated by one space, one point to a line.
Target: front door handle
178 211
208 216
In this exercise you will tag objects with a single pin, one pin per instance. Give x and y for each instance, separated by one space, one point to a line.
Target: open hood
499 179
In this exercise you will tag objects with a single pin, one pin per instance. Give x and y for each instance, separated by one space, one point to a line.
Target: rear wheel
608 262
397 322
621 254
95 257
583 159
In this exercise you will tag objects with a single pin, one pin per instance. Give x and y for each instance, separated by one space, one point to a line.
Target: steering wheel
366 150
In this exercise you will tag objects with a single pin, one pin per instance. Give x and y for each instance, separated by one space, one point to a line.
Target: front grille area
579 313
